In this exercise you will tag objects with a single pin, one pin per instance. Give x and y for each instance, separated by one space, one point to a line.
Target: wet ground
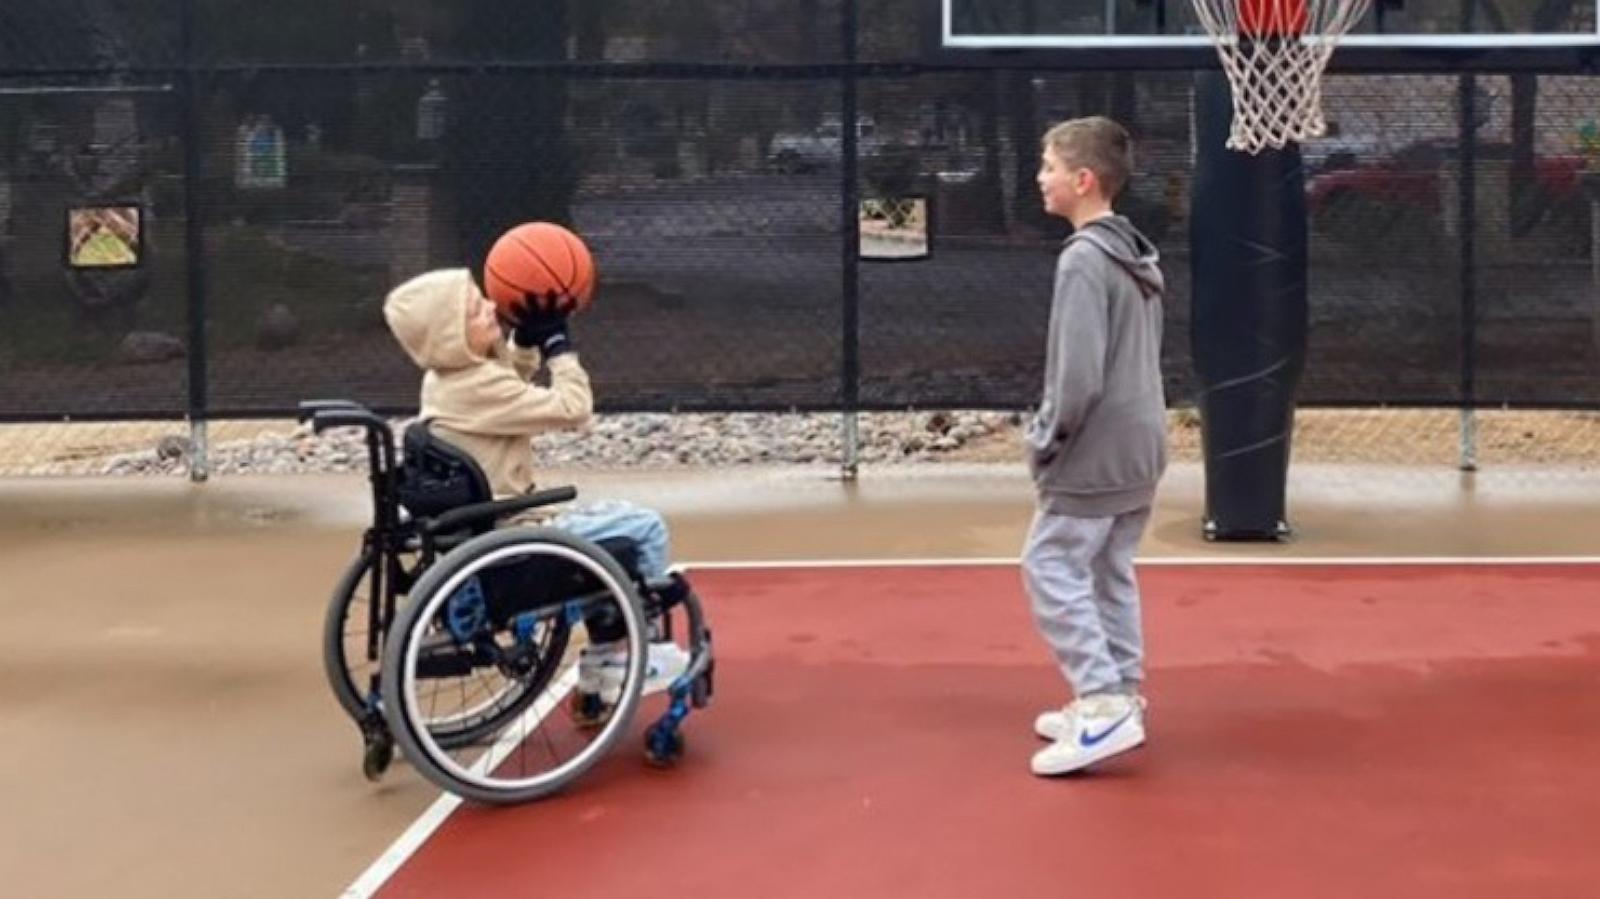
164 725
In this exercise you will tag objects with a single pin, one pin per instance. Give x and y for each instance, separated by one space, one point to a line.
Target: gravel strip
615 441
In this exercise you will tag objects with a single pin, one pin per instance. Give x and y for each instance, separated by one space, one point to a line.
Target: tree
1526 201
507 149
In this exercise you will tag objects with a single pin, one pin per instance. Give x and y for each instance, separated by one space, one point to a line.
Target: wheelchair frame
416 567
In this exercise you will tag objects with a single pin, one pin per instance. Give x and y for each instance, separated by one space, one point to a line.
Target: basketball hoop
1274 52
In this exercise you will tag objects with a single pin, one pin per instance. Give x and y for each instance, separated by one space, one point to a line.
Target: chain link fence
1525 444
292 164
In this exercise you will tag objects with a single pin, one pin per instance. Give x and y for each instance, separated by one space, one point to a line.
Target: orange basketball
534 261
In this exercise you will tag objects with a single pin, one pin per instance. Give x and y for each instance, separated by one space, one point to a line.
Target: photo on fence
102 237
894 229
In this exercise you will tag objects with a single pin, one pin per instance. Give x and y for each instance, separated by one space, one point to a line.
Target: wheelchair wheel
352 671
474 611
345 628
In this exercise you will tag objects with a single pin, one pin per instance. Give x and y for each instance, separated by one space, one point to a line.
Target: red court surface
1315 731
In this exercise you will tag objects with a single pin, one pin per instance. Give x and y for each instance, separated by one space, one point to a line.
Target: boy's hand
544 326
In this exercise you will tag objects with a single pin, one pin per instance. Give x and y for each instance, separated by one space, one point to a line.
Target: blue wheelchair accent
466 613
679 689
524 626
574 611
663 742
677 710
662 738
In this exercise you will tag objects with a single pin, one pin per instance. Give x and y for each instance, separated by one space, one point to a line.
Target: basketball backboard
1394 34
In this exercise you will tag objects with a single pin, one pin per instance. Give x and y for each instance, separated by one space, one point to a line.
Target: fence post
194 249
849 192
850 465
1467 452
199 458
1467 236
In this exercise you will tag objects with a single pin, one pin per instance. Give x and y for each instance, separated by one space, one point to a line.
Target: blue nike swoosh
1087 740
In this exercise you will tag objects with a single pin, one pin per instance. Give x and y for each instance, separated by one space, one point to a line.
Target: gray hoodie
1098 443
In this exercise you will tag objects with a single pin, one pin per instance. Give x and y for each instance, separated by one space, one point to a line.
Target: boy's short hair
1097 144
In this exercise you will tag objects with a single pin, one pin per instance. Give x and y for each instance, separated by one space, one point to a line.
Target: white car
1339 151
811 150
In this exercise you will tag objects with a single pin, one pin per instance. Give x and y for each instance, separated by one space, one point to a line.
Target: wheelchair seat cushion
436 476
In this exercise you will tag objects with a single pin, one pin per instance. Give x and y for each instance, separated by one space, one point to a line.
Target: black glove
543 325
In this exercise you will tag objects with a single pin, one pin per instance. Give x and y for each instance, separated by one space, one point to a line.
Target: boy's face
483 328
1062 186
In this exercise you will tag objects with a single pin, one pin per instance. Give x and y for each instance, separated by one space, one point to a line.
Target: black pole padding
1248 318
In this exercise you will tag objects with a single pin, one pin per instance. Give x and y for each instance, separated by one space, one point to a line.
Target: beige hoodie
485 406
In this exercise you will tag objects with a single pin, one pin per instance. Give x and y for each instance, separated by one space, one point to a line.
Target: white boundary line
401 850
1156 561
420 830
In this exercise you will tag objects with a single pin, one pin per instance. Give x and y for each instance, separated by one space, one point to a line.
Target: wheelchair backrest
437 476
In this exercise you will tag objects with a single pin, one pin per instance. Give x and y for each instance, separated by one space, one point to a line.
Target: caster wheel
377 755
662 747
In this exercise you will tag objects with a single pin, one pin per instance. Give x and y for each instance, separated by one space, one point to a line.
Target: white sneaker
602 669
1053 724
1102 726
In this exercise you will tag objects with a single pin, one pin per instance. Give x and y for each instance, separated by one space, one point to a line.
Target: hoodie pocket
1111 452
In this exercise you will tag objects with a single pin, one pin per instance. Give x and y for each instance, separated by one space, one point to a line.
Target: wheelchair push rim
497 768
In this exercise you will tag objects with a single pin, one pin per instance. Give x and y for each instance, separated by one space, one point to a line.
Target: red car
1412 176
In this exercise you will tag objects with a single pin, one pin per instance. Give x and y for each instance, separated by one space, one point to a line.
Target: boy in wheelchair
502 641
477 394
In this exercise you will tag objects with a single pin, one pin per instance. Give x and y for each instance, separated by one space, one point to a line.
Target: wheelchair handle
350 418
455 518
309 408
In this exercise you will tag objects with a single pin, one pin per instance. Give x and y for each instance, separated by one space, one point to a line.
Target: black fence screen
289 163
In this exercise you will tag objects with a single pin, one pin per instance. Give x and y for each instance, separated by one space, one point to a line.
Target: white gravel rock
645 440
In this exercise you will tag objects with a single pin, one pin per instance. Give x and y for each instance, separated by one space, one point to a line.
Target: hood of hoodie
428 315
1130 250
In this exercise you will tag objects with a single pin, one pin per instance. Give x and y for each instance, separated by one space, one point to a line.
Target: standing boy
1096 448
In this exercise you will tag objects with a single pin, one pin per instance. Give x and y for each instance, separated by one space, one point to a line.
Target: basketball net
1274 52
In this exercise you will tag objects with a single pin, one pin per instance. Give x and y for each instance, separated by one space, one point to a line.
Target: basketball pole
1248 320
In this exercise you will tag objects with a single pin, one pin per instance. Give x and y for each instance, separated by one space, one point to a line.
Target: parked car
808 151
1337 151
1411 180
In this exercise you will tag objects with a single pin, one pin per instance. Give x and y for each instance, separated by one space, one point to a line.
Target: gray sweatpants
1079 574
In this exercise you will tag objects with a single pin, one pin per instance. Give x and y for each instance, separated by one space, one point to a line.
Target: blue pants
612 518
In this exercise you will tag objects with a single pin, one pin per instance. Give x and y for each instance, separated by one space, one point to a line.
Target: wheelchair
460 643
